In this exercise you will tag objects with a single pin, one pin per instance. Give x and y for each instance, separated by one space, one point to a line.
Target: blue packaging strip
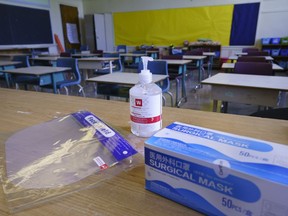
112 140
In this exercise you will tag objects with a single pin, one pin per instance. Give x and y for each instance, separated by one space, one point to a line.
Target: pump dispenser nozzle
145 76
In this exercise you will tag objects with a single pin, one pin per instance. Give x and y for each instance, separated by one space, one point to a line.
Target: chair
257 53
65 82
121 48
136 59
251 59
195 65
117 65
23 79
246 50
112 89
255 68
160 67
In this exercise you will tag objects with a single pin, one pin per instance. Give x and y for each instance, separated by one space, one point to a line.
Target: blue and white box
217 173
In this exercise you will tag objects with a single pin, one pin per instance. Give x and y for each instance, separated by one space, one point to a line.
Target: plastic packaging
145 104
58 157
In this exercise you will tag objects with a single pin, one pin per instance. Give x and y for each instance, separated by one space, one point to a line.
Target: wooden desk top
124 78
232 65
253 81
37 70
123 194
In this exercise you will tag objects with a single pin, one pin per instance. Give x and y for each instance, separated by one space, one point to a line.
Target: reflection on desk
123 194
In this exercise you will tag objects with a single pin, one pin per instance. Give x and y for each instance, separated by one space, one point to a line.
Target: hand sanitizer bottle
145 104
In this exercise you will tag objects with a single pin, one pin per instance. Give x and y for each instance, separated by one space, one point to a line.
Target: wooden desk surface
124 78
124 194
253 81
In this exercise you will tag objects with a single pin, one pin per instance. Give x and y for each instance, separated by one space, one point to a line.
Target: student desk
39 71
200 60
124 194
124 78
9 56
182 64
83 63
3 64
250 89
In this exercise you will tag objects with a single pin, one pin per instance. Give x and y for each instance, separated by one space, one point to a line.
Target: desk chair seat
67 81
160 67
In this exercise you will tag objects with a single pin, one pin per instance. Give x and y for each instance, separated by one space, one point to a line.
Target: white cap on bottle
145 76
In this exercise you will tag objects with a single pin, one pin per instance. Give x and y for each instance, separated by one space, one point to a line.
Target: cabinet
209 48
279 52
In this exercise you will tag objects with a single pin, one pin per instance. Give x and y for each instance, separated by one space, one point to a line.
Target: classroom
86 130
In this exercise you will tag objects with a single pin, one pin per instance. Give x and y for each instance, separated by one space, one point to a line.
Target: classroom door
99 22
70 26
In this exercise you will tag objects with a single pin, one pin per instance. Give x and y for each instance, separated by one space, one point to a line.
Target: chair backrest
250 50
121 48
256 68
251 59
117 63
73 64
158 67
24 59
257 53
172 57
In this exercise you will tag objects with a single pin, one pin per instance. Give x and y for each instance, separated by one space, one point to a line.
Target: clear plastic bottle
145 104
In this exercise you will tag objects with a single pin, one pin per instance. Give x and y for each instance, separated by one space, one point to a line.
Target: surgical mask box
217 173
